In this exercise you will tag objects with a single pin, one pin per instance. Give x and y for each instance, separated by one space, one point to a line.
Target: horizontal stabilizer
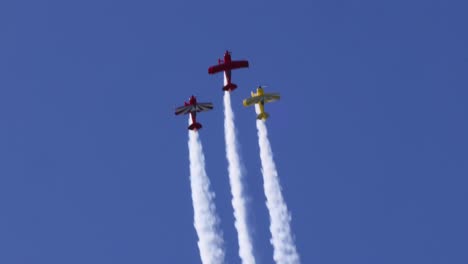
195 126
229 87
263 116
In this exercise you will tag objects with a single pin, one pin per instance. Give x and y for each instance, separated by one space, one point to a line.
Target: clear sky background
370 136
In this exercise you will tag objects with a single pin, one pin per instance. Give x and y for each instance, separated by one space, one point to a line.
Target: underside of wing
239 64
183 110
201 107
252 100
217 68
271 97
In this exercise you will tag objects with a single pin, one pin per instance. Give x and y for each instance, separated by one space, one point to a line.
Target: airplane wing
230 66
271 97
217 68
183 110
201 107
239 64
252 100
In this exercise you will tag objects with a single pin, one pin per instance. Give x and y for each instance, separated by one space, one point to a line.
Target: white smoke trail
284 249
235 180
210 241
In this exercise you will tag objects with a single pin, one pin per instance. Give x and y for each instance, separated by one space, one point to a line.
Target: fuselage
193 115
261 104
227 57
227 61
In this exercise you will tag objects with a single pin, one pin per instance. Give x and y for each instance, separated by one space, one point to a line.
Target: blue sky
369 137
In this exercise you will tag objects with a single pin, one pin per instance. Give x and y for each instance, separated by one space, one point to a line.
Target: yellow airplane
261 98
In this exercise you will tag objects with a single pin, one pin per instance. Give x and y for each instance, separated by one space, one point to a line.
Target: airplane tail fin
263 116
229 87
195 126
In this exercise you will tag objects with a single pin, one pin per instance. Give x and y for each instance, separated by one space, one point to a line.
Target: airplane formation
226 65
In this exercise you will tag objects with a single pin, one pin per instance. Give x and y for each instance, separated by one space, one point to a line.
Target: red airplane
227 65
193 107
